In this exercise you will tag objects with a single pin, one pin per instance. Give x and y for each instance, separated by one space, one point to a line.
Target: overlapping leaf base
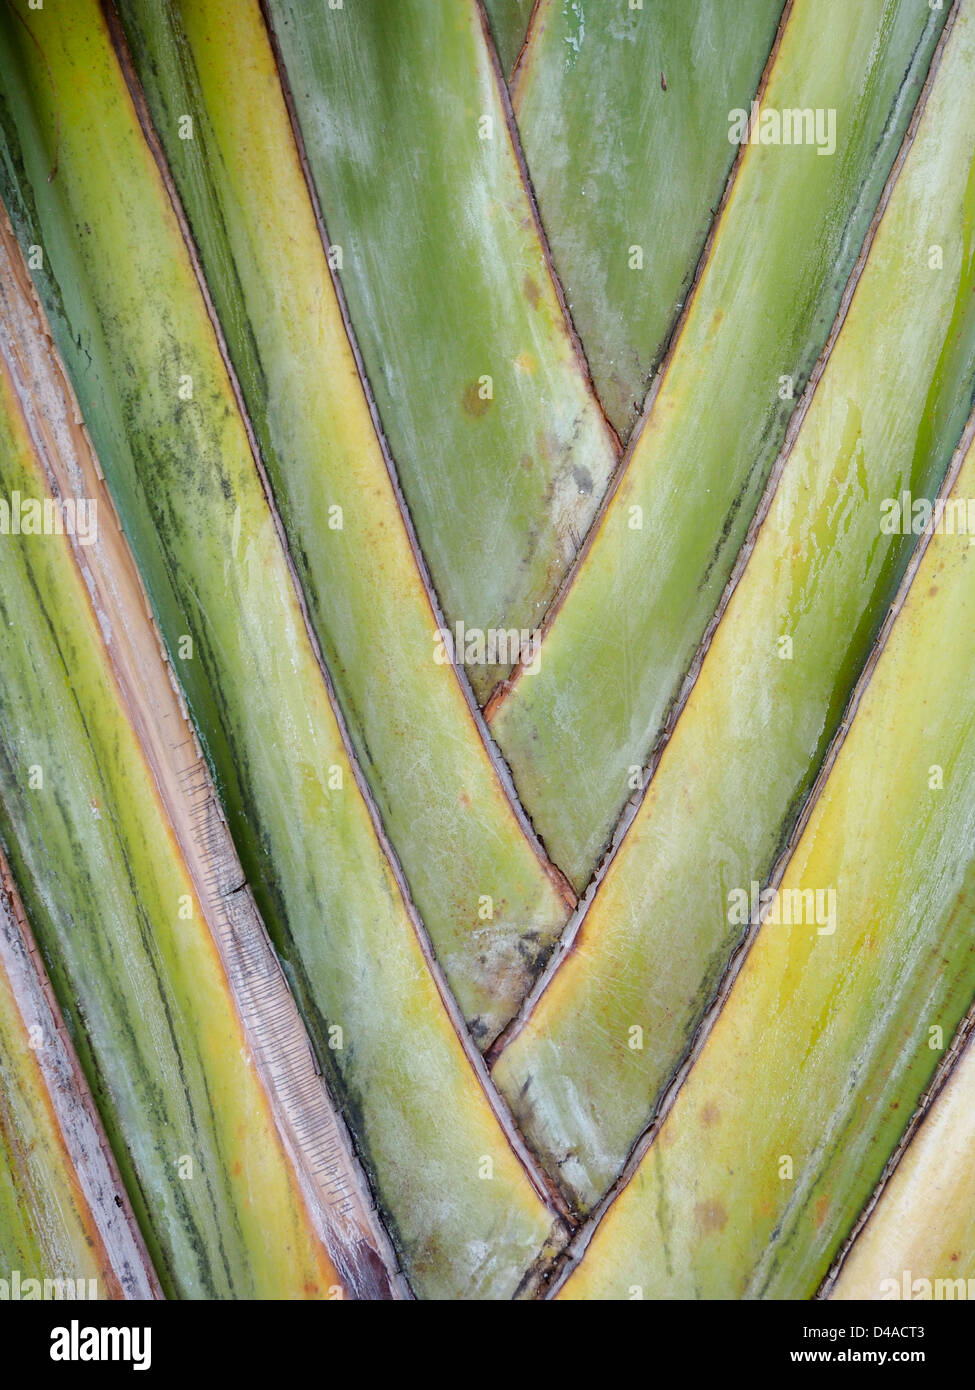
493 786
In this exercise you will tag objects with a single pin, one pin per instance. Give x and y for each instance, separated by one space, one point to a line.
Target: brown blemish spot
822 1207
464 799
711 1215
532 292
710 1115
548 445
473 403
932 591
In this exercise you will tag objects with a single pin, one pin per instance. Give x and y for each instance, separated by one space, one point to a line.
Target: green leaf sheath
776 679
115 913
46 1227
827 1041
447 286
923 1226
509 25
629 626
623 115
129 318
58 1217
443 804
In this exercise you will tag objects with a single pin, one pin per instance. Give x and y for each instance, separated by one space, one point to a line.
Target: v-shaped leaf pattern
630 623
629 165
800 624
360 305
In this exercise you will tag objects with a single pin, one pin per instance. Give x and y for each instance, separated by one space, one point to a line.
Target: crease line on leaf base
631 808
788 1242
629 187
476 361
505 688
634 615
534 20
68 1201
514 135
648 1137
511 26
796 633
478 716
183 477
441 796
916 1232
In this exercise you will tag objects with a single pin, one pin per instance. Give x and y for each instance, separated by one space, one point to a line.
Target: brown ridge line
68 1089
498 1106
631 807
504 687
247 932
500 767
576 1249
530 35
514 137
962 1041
